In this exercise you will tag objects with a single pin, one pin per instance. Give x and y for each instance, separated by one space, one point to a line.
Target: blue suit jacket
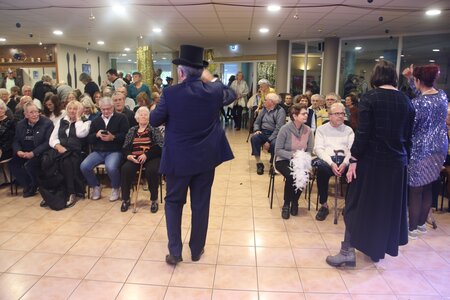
194 140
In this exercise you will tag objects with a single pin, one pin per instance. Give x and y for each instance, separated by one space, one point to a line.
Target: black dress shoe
43 203
322 213
197 257
259 168
173 260
154 206
285 212
29 192
294 209
125 205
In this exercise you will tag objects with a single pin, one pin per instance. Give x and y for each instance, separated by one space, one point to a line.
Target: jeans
112 163
258 140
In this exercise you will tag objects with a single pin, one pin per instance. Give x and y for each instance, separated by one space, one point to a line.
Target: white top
9 84
329 138
55 119
81 129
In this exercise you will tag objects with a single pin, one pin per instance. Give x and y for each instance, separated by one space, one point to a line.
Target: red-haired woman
429 143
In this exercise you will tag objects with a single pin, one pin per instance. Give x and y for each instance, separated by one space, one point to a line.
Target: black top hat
191 56
169 78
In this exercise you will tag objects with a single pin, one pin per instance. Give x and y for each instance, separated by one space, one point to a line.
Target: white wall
82 57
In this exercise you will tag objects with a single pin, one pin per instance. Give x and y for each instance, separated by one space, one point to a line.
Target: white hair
263 81
105 101
140 110
273 97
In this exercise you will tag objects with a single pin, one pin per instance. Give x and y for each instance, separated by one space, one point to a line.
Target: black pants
25 170
70 168
324 173
237 116
128 174
291 195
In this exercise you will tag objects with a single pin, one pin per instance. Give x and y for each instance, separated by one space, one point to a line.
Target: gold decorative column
145 64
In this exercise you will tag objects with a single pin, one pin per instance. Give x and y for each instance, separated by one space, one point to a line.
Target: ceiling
211 24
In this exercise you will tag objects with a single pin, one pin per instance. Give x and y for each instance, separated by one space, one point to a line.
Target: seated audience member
137 87
119 107
266 126
155 100
90 110
4 97
26 91
106 136
62 90
7 128
96 98
322 114
351 104
304 100
287 103
143 100
68 138
129 102
30 141
264 89
42 87
90 87
293 136
18 114
14 98
143 145
330 137
157 86
52 109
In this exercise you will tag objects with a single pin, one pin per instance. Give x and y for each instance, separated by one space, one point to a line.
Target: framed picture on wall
86 68
36 75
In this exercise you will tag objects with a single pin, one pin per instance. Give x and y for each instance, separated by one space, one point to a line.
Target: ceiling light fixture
154 61
381 56
118 8
91 17
100 42
433 12
357 48
432 61
157 30
57 32
164 58
436 50
129 60
40 43
264 30
124 54
2 39
273 8
126 49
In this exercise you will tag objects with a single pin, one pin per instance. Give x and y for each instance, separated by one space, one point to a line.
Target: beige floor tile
74 228
90 246
125 249
235 223
136 232
193 275
160 234
235 277
238 211
373 297
73 266
237 256
232 295
265 224
175 293
271 239
17 224
146 219
237 238
440 281
88 215
311 258
155 251
9 258
116 217
320 296
43 226
140 291
399 262
111 269
280 296
209 257
14 286
33 212
408 282
417 245
52 288
264 212
438 243
301 225
23 241
98 290
151 272
35 263
306 240
4 236
365 281
213 236
278 279
427 260
313 281
56 244
333 240
274 257
105 230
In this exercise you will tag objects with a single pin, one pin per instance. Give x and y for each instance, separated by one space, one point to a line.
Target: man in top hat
169 81
195 144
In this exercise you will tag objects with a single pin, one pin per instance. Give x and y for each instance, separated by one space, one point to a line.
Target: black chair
10 181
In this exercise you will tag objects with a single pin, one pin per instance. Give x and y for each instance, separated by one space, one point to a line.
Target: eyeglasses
303 113
339 114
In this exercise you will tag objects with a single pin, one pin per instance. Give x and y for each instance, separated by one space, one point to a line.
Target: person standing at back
195 144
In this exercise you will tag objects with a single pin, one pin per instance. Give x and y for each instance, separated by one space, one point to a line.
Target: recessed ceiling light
433 12
135 62
154 61
100 42
436 50
264 30
118 8
57 32
124 54
2 39
273 8
40 43
126 49
163 57
357 48
403 55
129 60
376 59
432 60
381 56
157 30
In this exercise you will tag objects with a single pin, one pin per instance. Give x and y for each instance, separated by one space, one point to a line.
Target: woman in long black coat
375 209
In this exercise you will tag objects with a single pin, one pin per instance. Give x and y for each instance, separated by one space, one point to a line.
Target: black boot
294 208
285 212
125 205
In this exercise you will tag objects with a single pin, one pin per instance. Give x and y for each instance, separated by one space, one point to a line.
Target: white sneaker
413 235
422 228
96 192
115 194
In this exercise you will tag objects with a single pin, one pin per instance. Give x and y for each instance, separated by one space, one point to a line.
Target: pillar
330 61
282 66
145 64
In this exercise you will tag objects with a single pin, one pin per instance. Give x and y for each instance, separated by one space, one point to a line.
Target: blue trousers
257 140
25 170
200 192
112 163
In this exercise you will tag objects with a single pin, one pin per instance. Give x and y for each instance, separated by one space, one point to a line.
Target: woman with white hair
142 146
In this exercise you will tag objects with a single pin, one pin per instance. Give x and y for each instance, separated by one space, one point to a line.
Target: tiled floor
93 251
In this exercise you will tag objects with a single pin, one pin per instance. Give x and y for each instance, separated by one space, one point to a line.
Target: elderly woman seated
293 136
68 138
30 141
142 145
7 126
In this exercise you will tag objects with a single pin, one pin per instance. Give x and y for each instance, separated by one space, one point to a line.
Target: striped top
141 139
